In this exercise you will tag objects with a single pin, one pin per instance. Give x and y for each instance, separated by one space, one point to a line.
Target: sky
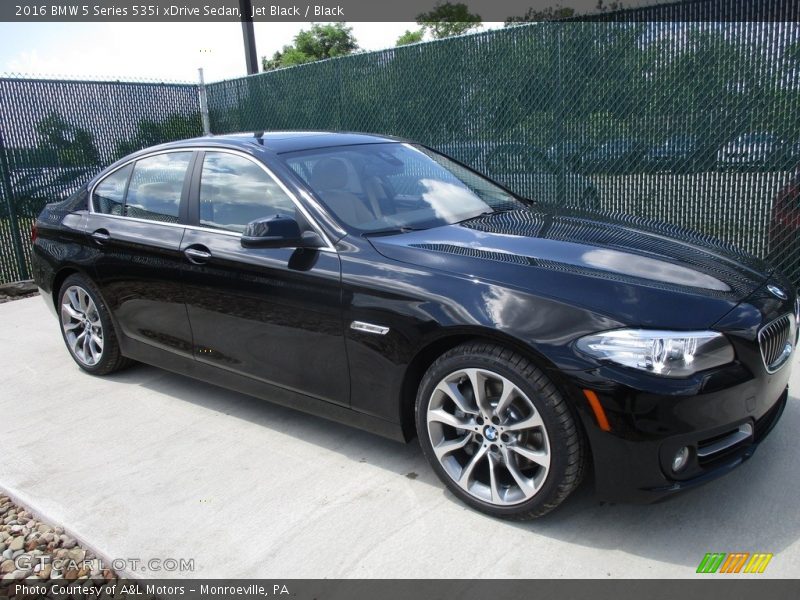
155 51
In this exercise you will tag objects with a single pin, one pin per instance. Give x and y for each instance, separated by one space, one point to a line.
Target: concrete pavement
150 465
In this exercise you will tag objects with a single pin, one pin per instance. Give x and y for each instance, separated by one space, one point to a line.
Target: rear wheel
87 328
498 433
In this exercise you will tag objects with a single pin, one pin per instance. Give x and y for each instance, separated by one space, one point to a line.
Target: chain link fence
56 134
696 124
692 123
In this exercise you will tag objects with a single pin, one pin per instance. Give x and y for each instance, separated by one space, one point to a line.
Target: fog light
680 459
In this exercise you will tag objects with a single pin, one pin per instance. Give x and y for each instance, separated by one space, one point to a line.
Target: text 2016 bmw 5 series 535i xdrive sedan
378 283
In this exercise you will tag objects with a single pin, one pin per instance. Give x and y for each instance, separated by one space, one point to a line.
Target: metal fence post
5 181
559 124
201 90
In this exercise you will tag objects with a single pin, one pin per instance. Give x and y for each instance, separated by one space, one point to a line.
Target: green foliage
610 7
73 146
558 12
551 13
150 133
448 19
318 43
410 37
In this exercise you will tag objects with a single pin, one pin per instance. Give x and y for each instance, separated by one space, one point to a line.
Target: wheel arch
445 341
59 279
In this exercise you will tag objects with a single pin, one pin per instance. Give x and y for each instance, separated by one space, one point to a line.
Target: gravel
44 555
17 290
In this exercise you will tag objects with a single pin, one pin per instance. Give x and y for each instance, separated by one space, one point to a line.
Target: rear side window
154 192
234 191
109 194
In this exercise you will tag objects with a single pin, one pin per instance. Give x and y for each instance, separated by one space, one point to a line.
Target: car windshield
388 187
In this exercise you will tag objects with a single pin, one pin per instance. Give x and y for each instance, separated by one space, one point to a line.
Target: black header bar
149 11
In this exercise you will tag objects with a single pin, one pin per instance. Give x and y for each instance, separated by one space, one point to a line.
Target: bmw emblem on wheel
777 292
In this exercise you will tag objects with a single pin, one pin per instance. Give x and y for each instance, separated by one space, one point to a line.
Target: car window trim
132 163
193 204
186 192
194 171
90 204
187 177
194 199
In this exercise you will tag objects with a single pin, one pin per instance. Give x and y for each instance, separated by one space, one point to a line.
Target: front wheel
87 328
498 433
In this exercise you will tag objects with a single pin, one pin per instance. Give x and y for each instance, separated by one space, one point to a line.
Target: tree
149 133
447 19
318 43
551 13
558 12
410 37
73 146
610 7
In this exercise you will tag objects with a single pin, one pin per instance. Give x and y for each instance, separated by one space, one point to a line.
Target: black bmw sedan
378 283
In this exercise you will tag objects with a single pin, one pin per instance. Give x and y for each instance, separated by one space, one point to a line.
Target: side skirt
163 359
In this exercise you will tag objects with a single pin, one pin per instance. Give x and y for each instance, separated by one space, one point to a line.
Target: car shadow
752 509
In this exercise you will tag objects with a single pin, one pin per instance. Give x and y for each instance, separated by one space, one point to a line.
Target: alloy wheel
82 327
488 436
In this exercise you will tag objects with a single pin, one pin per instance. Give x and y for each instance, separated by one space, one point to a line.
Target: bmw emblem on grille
777 292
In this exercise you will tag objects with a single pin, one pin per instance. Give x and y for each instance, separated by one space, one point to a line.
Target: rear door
271 314
135 229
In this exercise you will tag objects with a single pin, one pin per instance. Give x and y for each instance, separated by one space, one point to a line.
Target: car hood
620 249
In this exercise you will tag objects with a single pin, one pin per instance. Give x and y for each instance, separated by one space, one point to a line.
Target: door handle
197 254
101 236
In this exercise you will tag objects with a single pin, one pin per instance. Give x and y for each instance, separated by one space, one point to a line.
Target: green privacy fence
696 123
56 134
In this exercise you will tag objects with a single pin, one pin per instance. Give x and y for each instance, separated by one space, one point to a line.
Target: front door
271 314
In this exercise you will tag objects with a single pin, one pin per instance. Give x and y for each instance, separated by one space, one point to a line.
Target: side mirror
277 231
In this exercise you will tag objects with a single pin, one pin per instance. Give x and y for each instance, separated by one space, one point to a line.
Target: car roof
277 142
284 141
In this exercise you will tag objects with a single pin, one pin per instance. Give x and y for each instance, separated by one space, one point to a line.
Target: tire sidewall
542 401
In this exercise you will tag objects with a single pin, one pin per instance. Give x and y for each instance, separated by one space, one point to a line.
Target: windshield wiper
390 231
487 213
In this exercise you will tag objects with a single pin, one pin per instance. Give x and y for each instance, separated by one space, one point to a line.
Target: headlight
666 353
797 319
797 312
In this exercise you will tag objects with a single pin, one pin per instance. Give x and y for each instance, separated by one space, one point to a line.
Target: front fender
426 313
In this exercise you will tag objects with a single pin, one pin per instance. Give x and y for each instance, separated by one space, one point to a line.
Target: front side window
235 191
382 187
154 192
109 194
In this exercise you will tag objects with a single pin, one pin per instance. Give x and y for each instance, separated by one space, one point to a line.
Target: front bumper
721 419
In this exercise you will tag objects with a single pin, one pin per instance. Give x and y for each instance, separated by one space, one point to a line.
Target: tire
87 328
505 470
